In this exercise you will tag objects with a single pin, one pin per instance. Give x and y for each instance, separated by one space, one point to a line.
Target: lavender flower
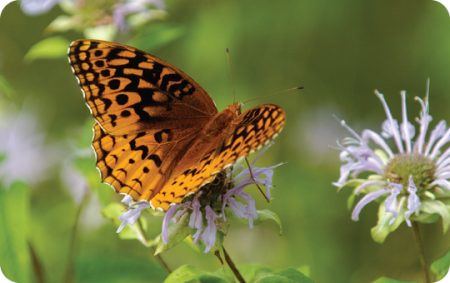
25 156
395 168
133 212
71 177
97 19
205 219
209 233
37 7
207 209
145 9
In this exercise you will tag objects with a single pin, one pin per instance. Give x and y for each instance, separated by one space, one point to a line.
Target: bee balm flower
208 208
408 171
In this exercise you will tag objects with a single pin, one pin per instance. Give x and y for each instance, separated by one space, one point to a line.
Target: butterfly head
235 108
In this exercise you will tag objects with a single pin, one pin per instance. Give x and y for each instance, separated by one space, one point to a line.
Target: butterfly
158 135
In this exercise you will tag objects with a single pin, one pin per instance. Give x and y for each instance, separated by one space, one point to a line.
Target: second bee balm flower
407 170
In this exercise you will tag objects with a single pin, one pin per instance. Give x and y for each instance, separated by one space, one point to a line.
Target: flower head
24 153
207 209
403 167
144 9
133 212
37 7
97 19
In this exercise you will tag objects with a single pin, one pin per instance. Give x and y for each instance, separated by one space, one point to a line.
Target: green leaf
85 165
98 266
272 278
113 211
259 273
437 207
194 246
295 275
305 269
383 227
49 48
104 32
139 19
441 266
266 214
351 201
426 218
187 273
177 233
288 275
2 157
353 183
156 36
62 23
5 87
250 271
14 223
389 280
382 154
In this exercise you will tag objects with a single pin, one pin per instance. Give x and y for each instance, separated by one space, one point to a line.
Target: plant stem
69 274
232 266
143 239
219 257
161 261
37 265
422 258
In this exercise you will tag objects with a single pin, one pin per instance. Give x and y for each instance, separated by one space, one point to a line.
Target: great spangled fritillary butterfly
158 135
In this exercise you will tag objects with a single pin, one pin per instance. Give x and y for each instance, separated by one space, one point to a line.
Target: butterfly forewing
128 90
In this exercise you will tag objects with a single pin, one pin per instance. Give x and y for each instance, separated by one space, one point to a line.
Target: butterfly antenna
230 74
292 90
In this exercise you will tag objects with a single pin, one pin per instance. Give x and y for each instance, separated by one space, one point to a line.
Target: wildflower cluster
206 212
22 149
101 18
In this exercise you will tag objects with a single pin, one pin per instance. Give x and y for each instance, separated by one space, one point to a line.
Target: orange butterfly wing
128 90
147 113
138 164
253 129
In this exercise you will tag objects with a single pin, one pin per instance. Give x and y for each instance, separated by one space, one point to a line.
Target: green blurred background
340 51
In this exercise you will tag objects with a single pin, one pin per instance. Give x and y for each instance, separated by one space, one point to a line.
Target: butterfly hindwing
253 129
128 90
137 164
